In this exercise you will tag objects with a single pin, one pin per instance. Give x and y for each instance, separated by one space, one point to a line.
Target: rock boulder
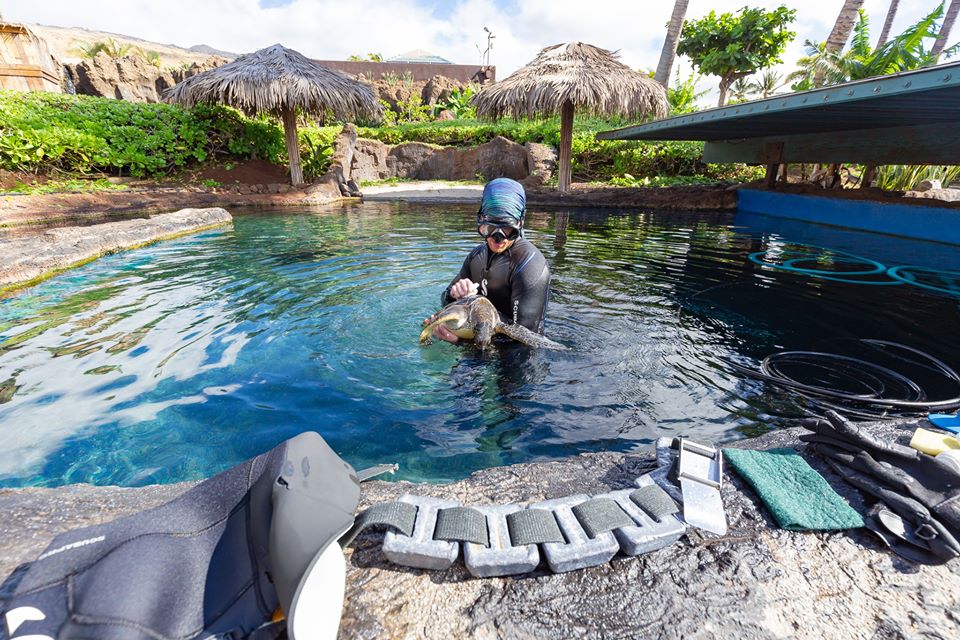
130 78
373 160
370 161
541 163
946 195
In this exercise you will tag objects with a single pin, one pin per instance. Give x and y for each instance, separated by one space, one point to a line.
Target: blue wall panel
911 221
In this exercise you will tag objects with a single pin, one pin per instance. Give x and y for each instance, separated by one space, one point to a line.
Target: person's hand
463 288
441 332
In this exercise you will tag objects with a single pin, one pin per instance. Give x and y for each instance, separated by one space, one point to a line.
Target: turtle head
483 334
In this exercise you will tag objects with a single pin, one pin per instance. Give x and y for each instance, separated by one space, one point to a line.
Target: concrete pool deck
755 582
29 258
426 190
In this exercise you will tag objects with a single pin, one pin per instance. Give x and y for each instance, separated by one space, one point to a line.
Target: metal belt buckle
420 549
701 477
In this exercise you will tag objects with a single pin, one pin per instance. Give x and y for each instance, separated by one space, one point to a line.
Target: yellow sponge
933 442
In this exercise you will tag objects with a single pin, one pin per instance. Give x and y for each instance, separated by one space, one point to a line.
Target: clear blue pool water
178 360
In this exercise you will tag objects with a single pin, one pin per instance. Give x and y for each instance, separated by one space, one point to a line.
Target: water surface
178 360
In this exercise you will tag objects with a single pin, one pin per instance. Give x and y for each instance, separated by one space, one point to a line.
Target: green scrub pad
797 496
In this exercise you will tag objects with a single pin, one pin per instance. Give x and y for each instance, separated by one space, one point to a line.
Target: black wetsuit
516 281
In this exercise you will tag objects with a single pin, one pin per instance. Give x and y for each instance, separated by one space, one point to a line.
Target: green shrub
43 132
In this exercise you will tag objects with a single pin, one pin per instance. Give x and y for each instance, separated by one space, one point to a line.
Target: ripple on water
178 360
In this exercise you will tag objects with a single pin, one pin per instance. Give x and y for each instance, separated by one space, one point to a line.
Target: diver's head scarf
503 201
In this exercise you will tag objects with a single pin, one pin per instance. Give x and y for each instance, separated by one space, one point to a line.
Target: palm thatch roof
589 77
276 78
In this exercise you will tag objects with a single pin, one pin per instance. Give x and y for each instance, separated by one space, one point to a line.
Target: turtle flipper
434 321
521 334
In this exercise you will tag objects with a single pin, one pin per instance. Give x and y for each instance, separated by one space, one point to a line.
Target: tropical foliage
57 133
767 84
44 132
683 95
905 177
460 103
904 52
370 57
734 46
116 49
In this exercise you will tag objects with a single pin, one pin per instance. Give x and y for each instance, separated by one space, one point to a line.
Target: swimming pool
178 360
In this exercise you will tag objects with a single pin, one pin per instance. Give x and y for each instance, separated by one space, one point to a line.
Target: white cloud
326 29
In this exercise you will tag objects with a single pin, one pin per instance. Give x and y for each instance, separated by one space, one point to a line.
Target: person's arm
529 293
464 274
441 331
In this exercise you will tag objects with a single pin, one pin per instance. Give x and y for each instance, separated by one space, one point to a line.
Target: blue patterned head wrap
503 201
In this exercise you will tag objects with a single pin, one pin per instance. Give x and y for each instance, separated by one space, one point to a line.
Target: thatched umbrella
568 77
280 81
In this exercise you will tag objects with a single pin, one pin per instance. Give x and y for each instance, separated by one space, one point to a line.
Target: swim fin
945 421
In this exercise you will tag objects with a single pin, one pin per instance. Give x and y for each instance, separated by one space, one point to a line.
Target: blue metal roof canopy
907 118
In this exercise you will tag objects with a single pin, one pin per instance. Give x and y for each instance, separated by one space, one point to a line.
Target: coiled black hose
885 392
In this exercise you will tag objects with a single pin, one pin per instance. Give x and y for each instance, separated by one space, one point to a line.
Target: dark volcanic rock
755 582
541 163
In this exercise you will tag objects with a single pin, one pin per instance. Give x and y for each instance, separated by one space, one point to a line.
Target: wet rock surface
27 258
755 582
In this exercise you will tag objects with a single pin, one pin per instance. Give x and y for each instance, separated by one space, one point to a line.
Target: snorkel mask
499 231
502 209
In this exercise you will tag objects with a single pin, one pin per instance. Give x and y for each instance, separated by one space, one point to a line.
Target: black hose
874 378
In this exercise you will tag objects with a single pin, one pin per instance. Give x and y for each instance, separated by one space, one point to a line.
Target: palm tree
564 78
945 29
906 51
669 52
842 27
888 23
740 90
768 83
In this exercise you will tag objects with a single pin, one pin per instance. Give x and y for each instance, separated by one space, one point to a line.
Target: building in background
25 60
418 63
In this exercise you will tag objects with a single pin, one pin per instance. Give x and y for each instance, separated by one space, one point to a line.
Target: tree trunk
669 52
948 21
772 175
566 146
841 31
868 176
293 148
723 88
888 23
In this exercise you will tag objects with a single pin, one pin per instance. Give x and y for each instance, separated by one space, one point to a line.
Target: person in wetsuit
506 268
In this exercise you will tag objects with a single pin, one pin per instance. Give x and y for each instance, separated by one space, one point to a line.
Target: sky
453 29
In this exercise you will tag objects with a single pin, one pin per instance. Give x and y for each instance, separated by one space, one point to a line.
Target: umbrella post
566 146
293 146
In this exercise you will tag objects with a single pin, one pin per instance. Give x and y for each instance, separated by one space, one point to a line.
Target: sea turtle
475 317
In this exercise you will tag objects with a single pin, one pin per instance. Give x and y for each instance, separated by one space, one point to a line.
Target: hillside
64 43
